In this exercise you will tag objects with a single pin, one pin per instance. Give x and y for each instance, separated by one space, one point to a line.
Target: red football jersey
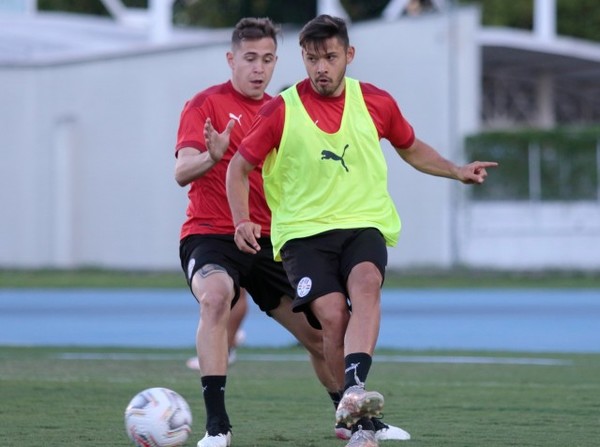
208 210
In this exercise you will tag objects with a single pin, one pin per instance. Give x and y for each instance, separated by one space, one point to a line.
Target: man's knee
214 290
365 276
332 312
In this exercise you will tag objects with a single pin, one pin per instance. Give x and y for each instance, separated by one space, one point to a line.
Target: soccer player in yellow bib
325 180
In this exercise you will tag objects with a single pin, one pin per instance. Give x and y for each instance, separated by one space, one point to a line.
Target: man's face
252 63
326 66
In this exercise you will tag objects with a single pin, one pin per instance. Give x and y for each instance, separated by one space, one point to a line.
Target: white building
89 109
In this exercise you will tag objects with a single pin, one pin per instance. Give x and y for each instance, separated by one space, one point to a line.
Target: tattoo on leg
209 269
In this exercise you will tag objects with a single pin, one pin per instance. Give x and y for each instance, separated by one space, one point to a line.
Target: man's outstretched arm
426 159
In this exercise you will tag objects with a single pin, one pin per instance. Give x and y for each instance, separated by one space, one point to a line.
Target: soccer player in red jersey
215 269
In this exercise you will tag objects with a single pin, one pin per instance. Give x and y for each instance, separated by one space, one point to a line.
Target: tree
577 18
226 13
95 7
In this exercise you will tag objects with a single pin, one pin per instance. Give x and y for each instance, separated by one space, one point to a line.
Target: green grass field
76 397
397 279
66 396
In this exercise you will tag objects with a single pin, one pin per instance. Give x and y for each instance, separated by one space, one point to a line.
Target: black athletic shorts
263 278
320 264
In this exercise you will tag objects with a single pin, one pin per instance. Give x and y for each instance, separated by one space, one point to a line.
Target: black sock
335 398
357 369
213 391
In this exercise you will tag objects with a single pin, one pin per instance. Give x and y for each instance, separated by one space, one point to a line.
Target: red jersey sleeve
388 118
191 123
265 133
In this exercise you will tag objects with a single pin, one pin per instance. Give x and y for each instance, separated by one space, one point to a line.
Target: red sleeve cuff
193 144
248 157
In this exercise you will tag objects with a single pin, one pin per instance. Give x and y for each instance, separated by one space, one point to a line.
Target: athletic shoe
383 432
240 338
218 433
363 438
220 440
357 403
342 432
194 362
232 357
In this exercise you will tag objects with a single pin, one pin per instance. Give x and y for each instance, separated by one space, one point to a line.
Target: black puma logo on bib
328 155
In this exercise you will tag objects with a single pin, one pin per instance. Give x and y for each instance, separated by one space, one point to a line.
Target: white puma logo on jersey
237 118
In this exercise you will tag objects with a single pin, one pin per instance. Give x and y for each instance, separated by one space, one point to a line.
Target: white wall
117 119
515 236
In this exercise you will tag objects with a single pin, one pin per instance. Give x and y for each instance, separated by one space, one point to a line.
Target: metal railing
539 166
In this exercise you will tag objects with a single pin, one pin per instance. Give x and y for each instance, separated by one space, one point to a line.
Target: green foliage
565 159
364 10
94 7
50 398
513 14
208 13
579 18
576 18
226 13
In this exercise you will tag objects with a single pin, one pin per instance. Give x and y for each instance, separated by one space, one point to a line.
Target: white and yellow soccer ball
158 417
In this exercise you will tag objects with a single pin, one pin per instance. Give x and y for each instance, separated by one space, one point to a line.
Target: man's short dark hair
254 28
323 27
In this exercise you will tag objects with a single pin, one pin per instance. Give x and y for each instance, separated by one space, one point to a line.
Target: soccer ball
158 417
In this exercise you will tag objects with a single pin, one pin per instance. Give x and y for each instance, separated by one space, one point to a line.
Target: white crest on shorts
304 287
190 269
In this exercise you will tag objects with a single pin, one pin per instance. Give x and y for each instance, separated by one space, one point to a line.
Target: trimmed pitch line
132 356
